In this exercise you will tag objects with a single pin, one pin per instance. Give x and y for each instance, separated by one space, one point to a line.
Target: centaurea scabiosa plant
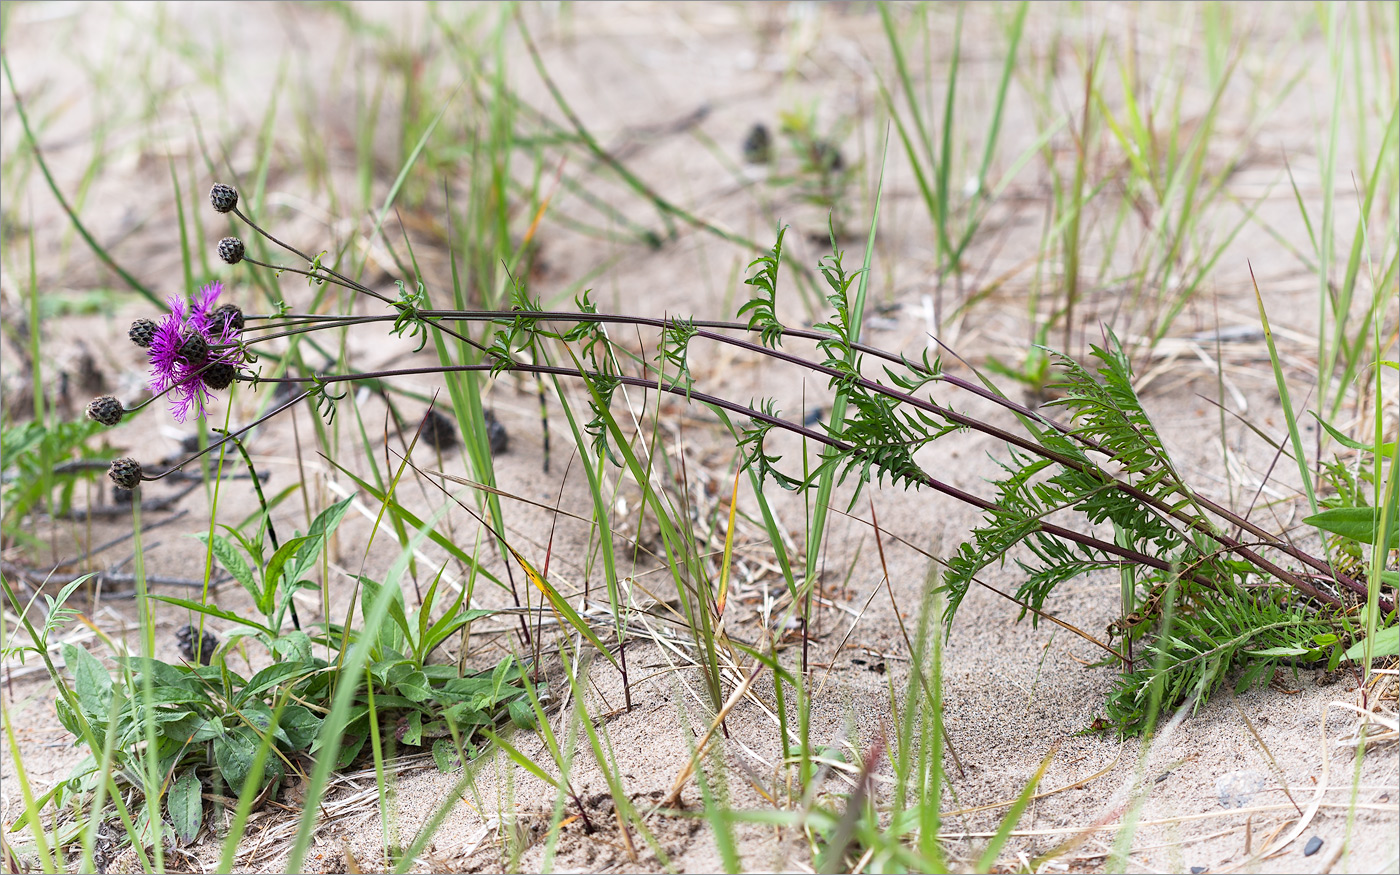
1095 493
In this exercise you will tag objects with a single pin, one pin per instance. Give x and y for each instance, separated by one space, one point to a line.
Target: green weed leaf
185 804
1357 523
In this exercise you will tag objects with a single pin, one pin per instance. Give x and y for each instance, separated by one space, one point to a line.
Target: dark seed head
496 435
219 376
194 348
223 197
126 473
439 431
757 147
142 331
231 314
231 250
190 638
106 410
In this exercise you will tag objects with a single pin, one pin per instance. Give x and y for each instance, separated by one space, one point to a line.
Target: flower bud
231 250
194 348
126 473
106 410
220 376
231 314
141 332
223 197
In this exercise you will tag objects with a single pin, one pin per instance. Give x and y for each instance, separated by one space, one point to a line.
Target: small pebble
1237 789
1197 870
813 417
1313 846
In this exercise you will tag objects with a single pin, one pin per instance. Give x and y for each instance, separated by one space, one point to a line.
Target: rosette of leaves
427 704
209 723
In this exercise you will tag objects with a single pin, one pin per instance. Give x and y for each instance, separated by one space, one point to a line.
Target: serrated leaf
91 682
232 561
185 805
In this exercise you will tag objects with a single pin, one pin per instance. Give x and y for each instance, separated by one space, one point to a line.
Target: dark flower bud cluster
193 350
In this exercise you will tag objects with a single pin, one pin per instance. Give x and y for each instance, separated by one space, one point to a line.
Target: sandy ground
1013 693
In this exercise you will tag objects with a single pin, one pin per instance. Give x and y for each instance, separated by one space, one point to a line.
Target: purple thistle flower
171 367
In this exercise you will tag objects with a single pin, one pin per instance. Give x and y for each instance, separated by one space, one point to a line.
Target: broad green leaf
521 714
184 803
1357 523
194 728
461 689
163 674
445 755
350 748
300 725
310 548
415 687
270 677
233 753
394 629
1385 643
295 646
463 714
